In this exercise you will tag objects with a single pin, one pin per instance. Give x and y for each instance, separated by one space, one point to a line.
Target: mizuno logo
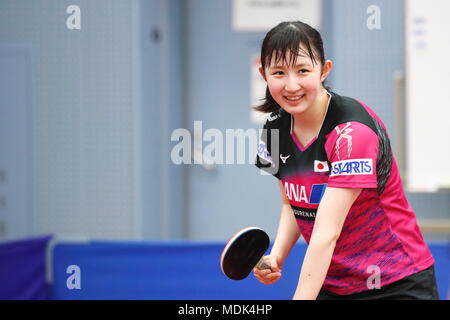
284 158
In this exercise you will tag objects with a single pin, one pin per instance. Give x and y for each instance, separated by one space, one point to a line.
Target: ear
261 71
326 70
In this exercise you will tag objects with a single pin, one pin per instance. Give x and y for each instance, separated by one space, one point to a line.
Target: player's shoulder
347 108
352 125
277 119
344 110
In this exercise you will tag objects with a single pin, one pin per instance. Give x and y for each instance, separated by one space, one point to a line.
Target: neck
311 120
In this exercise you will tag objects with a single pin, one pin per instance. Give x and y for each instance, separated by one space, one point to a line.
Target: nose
292 84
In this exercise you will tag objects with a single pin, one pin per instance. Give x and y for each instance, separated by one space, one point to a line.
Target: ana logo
298 193
352 167
284 158
321 166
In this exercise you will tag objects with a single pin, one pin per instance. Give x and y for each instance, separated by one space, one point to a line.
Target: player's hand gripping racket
243 252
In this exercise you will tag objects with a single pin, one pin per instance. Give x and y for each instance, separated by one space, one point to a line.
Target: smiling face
295 83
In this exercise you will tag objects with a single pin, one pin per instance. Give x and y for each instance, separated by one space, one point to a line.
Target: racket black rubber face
243 251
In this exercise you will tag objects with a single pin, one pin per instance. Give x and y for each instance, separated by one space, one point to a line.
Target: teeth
294 98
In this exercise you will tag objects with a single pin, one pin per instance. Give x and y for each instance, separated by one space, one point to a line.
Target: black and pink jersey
352 150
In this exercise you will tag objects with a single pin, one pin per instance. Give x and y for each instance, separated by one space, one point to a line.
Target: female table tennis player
339 182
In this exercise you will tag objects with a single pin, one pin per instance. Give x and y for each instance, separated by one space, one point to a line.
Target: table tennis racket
243 252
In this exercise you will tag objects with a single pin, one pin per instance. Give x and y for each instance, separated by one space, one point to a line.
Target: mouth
294 99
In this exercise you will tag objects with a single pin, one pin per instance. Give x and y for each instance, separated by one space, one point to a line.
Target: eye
304 70
278 73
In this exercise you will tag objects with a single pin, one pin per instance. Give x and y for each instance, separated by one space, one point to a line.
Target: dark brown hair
287 37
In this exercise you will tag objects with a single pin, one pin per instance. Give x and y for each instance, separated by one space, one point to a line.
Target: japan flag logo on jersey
321 166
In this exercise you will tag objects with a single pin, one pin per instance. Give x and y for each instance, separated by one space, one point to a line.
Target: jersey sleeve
267 160
352 150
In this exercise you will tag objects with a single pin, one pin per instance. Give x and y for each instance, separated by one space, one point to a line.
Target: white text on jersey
296 192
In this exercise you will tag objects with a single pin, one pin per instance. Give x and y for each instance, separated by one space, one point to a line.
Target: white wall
428 104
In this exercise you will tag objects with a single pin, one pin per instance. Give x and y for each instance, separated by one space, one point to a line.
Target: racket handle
262 264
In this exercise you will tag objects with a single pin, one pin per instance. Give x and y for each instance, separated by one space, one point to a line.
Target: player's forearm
315 267
287 234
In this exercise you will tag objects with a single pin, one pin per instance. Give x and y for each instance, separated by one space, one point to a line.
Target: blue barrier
184 271
22 269
441 254
147 270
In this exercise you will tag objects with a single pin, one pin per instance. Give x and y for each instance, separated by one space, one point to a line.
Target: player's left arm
330 217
